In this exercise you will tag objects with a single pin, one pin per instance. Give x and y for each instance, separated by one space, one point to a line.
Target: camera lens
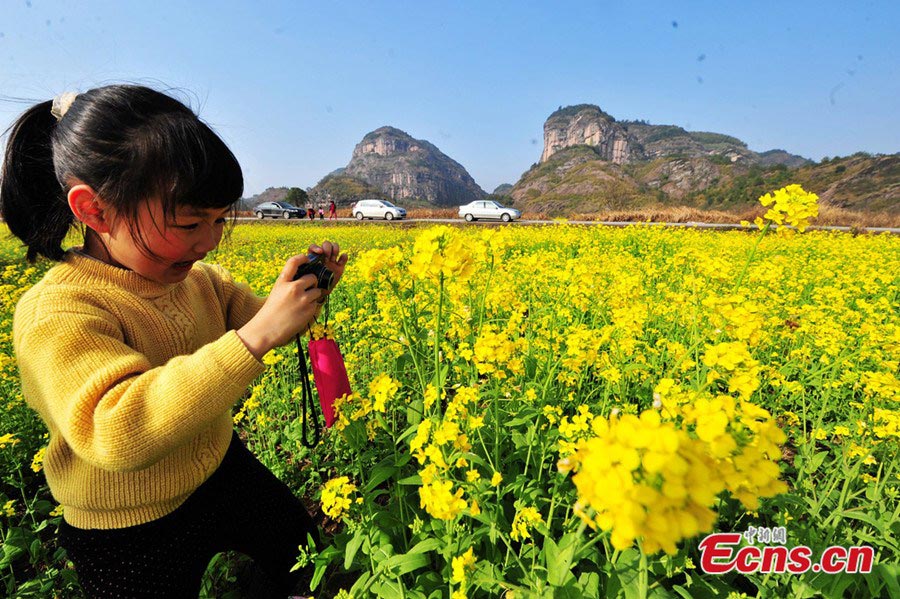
325 278
315 266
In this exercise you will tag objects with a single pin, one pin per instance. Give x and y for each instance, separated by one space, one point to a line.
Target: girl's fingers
291 266
329 250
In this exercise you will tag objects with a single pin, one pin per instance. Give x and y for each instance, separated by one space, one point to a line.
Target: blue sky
292 86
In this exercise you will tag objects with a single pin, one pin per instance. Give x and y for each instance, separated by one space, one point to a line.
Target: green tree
296 196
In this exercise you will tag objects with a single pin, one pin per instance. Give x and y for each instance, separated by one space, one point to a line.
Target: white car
488 209
377 209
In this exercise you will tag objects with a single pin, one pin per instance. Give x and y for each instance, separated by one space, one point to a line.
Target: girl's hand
334 260
289 309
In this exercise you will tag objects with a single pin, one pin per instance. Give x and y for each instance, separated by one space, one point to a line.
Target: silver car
488 209
377 209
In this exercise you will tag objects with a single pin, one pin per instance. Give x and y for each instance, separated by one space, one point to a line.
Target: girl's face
174 244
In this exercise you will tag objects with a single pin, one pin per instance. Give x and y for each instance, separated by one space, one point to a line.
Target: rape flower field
558 411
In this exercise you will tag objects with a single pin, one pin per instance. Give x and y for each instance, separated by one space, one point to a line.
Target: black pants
241 507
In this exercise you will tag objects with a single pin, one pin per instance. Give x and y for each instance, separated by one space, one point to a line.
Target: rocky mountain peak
386 141
588 125
405 168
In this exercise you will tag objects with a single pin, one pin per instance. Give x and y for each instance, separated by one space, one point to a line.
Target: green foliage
744 190
570 111
662 132
719 159
296 196
715 139
556 163
344 190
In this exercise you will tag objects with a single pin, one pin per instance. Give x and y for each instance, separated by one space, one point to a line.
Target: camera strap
308 408
307 403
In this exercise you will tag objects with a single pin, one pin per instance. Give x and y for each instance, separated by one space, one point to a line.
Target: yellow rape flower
441 251
382 389
461 565
430 396
423 432
439 499
525 519
336 497
37 462
647 478
791 204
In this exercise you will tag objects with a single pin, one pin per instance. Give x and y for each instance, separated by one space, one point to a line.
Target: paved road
690 225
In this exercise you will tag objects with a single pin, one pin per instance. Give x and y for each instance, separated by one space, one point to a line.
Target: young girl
134 351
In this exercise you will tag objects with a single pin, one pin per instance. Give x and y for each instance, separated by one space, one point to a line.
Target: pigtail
32 201
129 143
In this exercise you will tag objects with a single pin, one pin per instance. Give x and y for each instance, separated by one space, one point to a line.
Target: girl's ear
87 207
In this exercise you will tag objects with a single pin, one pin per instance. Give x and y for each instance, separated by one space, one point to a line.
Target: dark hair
129 143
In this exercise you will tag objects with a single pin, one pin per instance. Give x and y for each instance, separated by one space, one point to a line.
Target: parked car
488 209
377 209
276 209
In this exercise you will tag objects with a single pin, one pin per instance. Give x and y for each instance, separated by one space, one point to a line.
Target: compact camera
316 266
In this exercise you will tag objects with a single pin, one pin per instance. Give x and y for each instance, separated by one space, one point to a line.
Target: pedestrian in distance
332 211
134 351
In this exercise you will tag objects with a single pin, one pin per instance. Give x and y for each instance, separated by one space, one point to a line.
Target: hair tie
61 104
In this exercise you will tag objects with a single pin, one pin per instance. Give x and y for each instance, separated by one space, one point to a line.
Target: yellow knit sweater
135 381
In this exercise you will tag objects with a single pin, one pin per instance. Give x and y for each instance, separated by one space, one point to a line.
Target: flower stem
759 238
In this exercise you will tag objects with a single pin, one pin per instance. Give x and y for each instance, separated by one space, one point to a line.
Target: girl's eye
192 226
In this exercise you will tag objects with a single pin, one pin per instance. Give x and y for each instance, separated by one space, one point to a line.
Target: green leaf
570 591
890 574
379 475
683 592
862 517
518 439
550 553
360 584
816 461
322 561
406 563
13 547
426 546
34 550
352 547
628 569
590 584
838 583
558 558
508 424
356 435
387 589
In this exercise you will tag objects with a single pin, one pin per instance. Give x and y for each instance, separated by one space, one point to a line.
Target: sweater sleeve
111 407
